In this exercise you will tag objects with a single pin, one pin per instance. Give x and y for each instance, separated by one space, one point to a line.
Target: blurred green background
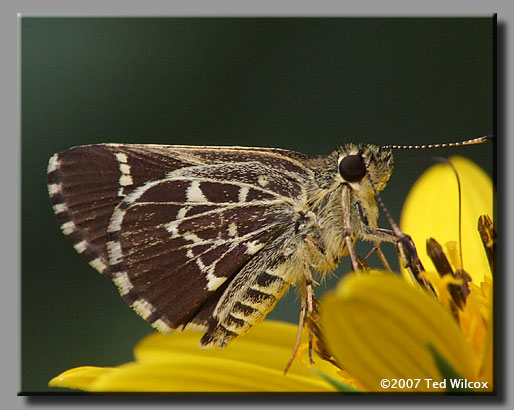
306 84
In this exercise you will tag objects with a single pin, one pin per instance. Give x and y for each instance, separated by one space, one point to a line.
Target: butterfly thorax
324 200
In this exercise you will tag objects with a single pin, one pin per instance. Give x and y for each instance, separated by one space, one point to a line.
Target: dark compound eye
352 168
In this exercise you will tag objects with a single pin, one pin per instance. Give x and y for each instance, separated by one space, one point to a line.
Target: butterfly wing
172 225
87 183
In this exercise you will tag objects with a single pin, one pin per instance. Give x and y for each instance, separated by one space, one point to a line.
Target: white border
10 303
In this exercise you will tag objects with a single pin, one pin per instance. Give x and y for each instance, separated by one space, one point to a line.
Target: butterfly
210 238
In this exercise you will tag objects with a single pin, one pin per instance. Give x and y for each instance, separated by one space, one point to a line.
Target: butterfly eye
352 168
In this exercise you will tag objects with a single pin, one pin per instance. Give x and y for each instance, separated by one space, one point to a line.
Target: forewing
86 183
171 224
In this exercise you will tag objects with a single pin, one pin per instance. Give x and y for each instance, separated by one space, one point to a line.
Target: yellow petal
441 286
487 365
81 378
379 327
268 344
476 322
174 363
201 374
431 210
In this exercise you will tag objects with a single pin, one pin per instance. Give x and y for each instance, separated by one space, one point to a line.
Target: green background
308 85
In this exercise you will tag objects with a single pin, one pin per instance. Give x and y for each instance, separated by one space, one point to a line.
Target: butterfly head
359 162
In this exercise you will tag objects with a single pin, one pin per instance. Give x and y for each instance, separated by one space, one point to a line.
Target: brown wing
170 224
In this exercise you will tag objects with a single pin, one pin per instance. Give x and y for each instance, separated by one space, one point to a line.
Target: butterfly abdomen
248 308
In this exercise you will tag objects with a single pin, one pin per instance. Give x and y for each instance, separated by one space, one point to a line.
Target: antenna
459 189
479 140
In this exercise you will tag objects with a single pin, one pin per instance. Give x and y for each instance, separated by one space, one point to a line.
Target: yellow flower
375 326
175 363
435 193
432 210
379 327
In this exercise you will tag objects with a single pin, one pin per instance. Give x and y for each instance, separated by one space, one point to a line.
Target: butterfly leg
306 308
382 257
347 226
310 310
406 250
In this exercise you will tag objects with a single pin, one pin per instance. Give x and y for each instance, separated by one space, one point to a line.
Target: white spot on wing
172 227
182 212
201 265
114 252
126 180
253 247
98 265
122 281
53 163
243 193
161 326
68 227
54 189
124 168
143 308
192 237
59 208
194 193
214 282
125 177
195 327
232 229
121 157
263 180
117 217
81 246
